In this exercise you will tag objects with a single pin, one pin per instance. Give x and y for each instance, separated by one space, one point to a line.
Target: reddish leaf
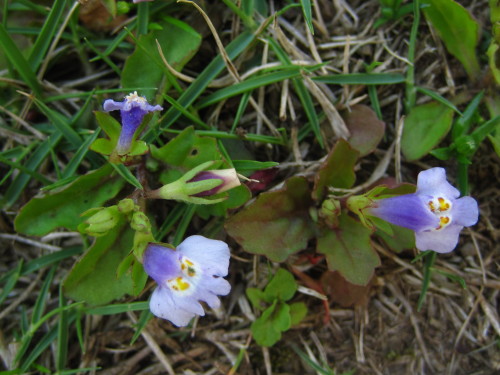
365 128
264 178
337 170
348 250
277 224
343 292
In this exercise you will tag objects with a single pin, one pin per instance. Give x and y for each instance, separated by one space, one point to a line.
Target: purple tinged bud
228 177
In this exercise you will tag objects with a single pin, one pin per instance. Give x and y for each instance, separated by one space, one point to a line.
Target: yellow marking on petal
443 222
188 267
444 205
431 206
178 284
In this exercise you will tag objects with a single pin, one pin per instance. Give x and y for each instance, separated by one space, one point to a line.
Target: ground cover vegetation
249 187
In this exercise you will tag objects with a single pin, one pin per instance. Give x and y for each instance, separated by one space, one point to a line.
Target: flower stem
463 178
430 258
410 73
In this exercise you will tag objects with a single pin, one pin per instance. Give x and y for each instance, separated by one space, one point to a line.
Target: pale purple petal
211 299
111 105
161 263
188 303
409 211
211 287
441 241
186 276
465 211
433 182
212 255
163 305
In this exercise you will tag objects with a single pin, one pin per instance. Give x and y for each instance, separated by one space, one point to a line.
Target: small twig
28 241
267 360
397 149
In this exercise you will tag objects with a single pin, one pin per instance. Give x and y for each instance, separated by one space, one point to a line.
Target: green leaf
144 68
400 239
110 6
337 170
275 319
93 278
425 126
236 197
187 150
256 297
109 125
348 250
62 208
366 129
298 311
277 224
282 286
458 30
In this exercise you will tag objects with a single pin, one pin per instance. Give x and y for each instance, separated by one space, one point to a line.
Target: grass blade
302 93
78 157
42 297
62 333
11 281
46 34
18 61
173 216
141 323
61 124
200 84
16 188
127 175
362 79
439 98
182 227
307 10
118 308
248 85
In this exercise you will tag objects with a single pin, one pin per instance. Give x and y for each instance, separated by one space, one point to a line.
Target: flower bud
197 183
101 222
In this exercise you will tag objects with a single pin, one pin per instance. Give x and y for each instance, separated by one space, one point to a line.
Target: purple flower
132 111
434 211
191 273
